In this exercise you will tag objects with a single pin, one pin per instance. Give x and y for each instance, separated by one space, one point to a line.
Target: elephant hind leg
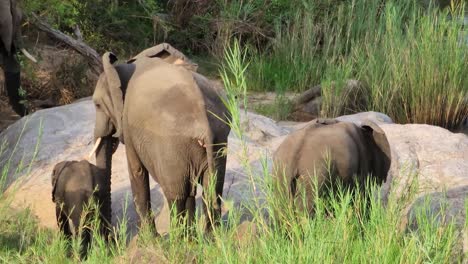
182 208
304 193
62 221
212 199
190 208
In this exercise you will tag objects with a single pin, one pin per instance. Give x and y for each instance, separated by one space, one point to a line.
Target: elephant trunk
104 163
212 199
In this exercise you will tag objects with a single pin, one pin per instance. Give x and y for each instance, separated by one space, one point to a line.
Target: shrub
125 27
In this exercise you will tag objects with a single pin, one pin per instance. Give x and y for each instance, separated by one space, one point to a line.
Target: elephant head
108 100
379 148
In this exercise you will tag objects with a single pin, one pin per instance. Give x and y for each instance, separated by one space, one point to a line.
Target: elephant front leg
139 180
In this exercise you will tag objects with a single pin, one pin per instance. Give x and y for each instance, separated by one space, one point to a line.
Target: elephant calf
327 151
74 185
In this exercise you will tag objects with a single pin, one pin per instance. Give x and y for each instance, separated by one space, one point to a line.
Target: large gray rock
434 161
376 117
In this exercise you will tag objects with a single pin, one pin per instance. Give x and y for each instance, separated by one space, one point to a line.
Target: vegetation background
412 55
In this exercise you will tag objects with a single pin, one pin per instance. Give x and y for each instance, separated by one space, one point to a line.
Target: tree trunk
79 46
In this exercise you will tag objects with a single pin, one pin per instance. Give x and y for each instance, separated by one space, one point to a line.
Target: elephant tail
210 156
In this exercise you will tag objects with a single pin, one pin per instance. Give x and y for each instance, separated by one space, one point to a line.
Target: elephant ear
379 141
56 172
115 91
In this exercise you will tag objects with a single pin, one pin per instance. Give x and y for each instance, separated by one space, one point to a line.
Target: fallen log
78 45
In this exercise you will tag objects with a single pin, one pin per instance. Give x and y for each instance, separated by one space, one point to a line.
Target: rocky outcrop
432 160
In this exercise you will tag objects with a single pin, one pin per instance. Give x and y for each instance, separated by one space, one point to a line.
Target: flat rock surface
437 157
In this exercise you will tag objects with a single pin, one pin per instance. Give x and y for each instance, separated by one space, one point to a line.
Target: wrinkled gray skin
10 19
74 184
168 130
330 151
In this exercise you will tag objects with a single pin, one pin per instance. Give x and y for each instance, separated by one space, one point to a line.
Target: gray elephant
173 124
10 19
327 151
74 185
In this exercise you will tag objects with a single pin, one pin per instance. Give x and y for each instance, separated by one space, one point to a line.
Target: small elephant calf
74 185
327 151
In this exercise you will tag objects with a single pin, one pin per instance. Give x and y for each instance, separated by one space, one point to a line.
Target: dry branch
78 45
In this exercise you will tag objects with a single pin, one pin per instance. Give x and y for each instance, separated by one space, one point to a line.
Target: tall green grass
413 60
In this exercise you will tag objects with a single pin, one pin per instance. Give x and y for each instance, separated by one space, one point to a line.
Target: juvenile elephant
329 151
173 125
74 185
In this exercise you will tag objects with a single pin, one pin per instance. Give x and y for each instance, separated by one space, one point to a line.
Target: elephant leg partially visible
180 207
304 193
220 165
213 208
190 208
139 181
62 221
11 69
75 217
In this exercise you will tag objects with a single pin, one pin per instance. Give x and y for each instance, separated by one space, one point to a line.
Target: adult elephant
10 43
326 152
173 125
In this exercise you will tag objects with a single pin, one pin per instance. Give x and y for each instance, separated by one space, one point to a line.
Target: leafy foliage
121 26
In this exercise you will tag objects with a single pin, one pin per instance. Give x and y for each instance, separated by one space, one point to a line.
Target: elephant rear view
327 152
74 185
163 114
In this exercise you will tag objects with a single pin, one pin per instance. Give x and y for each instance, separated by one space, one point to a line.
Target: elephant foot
12 84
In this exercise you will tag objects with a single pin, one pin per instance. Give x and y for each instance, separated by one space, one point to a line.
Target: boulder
376 117
433 161
437 158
